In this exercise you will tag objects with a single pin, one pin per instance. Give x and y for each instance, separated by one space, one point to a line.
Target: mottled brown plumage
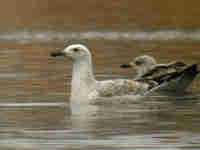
148 71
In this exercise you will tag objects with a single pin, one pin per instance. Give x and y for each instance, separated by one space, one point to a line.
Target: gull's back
162 72
119 87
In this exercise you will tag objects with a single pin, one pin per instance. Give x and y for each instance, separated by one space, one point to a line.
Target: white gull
85 88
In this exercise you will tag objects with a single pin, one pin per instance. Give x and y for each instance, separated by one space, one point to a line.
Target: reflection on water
155 122
38 36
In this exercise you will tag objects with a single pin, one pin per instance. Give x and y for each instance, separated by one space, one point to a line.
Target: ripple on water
137 125
38 36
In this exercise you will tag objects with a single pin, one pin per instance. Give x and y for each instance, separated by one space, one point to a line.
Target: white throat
83 80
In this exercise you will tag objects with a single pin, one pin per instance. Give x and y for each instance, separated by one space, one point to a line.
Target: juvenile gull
84 86
176 76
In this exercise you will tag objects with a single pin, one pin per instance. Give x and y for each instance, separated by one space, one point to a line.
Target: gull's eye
76 50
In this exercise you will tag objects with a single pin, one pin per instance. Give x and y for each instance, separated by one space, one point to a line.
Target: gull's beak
129 65
54 54
125 66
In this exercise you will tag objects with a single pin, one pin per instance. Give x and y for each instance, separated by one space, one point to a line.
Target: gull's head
143 61
140 62
143 64
75 51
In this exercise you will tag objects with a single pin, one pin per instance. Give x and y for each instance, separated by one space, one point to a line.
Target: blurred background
116 31
72 15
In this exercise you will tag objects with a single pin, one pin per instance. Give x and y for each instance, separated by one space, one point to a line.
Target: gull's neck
83 80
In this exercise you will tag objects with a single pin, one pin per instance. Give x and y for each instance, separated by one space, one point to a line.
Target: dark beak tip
125 66
54 54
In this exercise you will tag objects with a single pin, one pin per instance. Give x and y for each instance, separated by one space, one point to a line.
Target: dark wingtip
194 69
198 68
125 66
54 54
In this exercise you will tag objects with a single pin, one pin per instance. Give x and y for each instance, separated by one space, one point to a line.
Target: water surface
35 110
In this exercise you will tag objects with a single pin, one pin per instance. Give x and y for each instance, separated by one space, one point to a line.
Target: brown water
34 91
